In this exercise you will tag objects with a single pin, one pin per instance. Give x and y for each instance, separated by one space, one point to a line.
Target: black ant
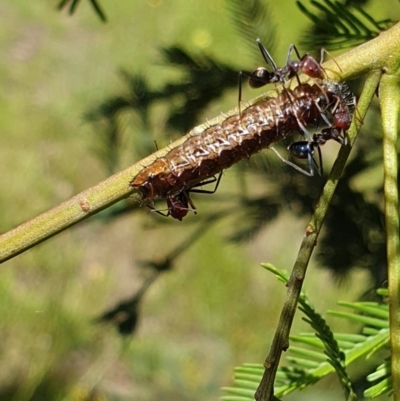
306 149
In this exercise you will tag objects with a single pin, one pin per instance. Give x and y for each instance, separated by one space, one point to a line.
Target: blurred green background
217 308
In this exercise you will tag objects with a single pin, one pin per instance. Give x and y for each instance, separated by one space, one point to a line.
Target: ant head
342 119
329 133
178 206
311 67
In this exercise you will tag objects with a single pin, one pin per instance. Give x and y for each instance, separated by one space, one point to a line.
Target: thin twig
281 339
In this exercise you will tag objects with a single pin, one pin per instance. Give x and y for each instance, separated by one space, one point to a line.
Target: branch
376 54
390 103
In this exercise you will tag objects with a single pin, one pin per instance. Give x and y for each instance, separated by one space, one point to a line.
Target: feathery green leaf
326 352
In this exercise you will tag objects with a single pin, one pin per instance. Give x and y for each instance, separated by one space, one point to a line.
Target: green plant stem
389 94
78 208
281 339
372 55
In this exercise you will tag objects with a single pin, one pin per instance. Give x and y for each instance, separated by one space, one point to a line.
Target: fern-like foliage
204 80
252 19
322 352
383 381
73 4
338 25
330 346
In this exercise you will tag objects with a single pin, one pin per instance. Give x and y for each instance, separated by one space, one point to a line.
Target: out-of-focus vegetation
216 308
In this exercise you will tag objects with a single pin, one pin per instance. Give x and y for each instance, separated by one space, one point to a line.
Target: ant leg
190 202
297 78
305 150
338 136
267 57
301 125
324 117
160 212
178 205
320 169
321 59
356 111
210 181
240 92
150 196
289 54
358 116
304 129
293 64
324 51
293 47
309 173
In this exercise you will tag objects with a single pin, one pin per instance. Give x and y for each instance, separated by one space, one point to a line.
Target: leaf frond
323 352
383 381
337 25
74 4
252 19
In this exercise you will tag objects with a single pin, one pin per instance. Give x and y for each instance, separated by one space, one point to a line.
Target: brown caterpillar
239 136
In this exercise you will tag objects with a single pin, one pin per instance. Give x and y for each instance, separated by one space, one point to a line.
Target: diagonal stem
281 339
